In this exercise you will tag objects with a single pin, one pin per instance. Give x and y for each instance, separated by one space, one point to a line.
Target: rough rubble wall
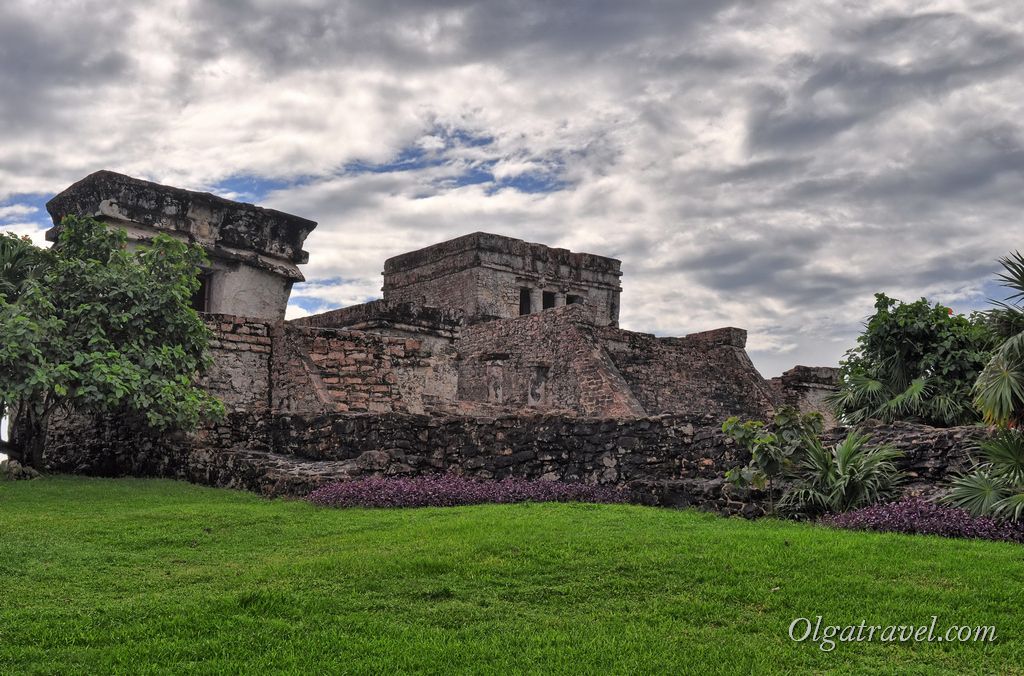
931 454
703 373
546 361
666 460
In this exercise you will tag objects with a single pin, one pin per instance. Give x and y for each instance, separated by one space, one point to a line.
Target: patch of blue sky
248 188
473 175
480 172
34 200
993 290
417 157
307 303
532 182
412 158
25 214
312 292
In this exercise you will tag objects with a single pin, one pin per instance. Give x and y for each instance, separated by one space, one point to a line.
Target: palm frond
911 401
851 474
1005 453
978 491
951 410
999 391
1005 320
1011 507
1013 275
804 501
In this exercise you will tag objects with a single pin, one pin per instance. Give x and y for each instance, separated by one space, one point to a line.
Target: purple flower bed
917 515
449 490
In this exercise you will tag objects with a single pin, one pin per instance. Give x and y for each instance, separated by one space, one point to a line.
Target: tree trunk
15 445
28 436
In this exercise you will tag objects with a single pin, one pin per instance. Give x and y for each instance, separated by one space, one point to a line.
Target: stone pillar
559 299
536 300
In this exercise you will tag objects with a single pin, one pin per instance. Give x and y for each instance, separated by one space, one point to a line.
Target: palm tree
999 392
995 484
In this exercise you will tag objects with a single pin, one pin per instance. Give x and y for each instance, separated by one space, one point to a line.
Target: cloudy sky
768 165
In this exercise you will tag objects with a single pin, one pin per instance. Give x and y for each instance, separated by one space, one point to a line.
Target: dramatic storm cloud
768 165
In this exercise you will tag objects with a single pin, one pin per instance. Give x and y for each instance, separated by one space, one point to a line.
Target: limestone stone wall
484 274
931 454
702 373
388 316
240 373
546 361
807 389
335 370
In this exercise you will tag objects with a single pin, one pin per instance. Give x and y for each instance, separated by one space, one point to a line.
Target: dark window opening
524 301
201 298
549 300
573 300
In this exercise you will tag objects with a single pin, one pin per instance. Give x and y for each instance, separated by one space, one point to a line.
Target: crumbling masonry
487 356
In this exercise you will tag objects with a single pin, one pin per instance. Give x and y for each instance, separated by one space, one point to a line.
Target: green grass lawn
156 576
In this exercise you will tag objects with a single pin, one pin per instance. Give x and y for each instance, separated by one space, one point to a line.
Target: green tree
20 263
105 330
915 362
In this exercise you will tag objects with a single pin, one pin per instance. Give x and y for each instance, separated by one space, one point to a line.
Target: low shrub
449 490
922 517
848 475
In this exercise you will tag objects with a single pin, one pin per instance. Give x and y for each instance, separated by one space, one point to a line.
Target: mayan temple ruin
487 356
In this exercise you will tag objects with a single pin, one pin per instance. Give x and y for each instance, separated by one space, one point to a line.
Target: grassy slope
141 575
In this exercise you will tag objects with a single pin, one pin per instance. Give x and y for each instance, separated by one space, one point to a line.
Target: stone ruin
487 356
254 253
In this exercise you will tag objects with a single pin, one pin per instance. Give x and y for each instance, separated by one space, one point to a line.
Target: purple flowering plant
923 517
449 490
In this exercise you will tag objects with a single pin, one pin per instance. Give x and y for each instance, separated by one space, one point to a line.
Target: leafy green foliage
20 263
849 476
916 362
774 449
995 484
1000 388
106 329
